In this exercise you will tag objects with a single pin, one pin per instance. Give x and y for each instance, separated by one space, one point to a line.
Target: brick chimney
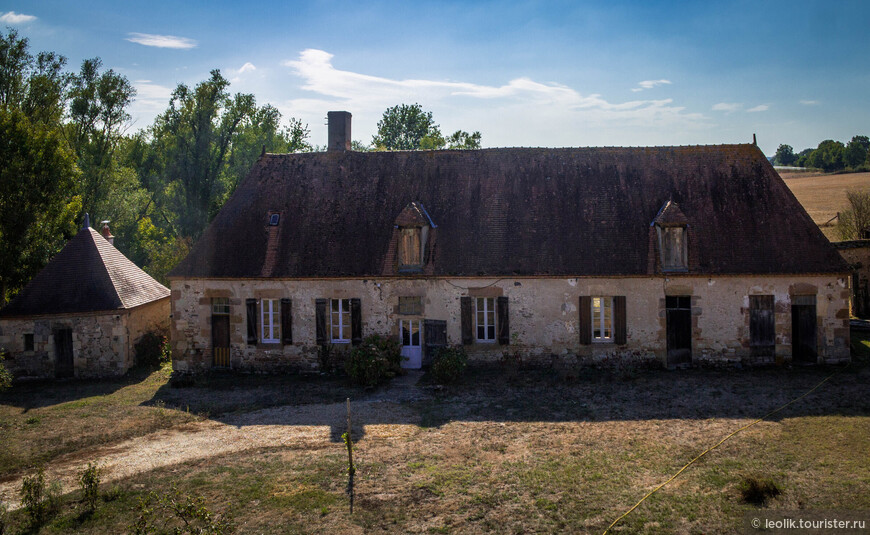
106 232
339 131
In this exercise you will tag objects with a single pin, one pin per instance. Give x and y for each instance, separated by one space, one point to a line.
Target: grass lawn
530 452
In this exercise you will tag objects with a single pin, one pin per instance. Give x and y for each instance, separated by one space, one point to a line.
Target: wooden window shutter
503 321
251 307
466 316
585 320
286 322
619 327
355 321
320 320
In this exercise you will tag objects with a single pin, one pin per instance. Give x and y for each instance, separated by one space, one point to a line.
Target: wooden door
63 350
220 339
435 336
762 325
679 329
803 329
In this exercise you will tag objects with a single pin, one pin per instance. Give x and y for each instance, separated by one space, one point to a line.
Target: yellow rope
711 448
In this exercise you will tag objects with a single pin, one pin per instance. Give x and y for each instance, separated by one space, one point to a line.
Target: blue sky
523 73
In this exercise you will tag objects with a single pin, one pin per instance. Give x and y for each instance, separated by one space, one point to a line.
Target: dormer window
413 229
671 227
410 248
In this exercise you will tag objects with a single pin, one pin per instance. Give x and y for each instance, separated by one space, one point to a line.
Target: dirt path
307 426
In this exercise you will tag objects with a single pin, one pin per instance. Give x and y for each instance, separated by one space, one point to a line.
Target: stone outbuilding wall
102 343
857 254
544 321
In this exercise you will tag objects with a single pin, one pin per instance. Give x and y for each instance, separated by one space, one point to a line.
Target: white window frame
269 310
599 319
489 320
338 316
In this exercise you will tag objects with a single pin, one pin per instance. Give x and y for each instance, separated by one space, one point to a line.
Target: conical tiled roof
87 275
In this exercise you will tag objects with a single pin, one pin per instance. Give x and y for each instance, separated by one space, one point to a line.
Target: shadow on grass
40 393
529 395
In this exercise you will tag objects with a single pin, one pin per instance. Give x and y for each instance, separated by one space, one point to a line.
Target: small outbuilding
83 313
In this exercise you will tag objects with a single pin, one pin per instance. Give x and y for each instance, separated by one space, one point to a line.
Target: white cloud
12 17
161 41
151 100
727 106
760 107
809 102
649 84
247 67
551 106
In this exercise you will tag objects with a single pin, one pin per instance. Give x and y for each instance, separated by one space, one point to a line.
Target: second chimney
107 233
339 130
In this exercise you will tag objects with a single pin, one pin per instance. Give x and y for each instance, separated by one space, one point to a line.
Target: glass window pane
334 303
490 331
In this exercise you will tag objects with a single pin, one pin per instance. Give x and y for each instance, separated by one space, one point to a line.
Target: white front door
412 349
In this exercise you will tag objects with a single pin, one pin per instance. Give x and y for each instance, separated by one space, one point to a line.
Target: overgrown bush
89 481
449 364
4 517
179 513
758 491
152 348
39 502
377 359
5 375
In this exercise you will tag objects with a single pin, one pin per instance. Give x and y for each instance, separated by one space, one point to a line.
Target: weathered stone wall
857 254
148 317
543 315
100 347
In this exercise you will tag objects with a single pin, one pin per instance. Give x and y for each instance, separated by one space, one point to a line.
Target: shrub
4 517
186 514
377 359
89 481
449 364
758 491
152 348
39 501
5 375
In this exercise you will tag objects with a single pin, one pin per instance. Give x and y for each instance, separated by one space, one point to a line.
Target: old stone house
680 254
82 314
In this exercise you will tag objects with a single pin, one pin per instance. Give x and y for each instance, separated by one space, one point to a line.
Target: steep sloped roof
574 211
87 275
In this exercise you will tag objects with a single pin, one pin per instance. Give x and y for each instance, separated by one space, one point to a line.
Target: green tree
403 127
784 155
827 156
856 151
802 157
463 140
37 170
97 115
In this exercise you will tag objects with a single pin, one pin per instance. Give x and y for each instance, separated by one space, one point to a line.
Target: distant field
822 196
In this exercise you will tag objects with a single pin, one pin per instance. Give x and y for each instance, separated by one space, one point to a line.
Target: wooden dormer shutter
251 308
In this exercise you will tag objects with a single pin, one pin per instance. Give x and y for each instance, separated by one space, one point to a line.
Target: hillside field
823 195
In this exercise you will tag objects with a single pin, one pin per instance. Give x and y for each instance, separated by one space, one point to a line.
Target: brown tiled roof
87 275
670 215
502 212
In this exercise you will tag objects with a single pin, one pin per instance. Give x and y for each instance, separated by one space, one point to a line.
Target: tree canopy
408 127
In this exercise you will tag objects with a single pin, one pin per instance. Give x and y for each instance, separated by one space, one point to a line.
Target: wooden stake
348 441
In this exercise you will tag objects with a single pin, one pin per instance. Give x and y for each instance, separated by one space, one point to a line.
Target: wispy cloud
151 100
11 17
760 107
649 84
522 99
161 41
247 67
809 102
727 106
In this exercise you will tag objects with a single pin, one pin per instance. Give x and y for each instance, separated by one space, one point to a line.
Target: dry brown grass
823 195
535 454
